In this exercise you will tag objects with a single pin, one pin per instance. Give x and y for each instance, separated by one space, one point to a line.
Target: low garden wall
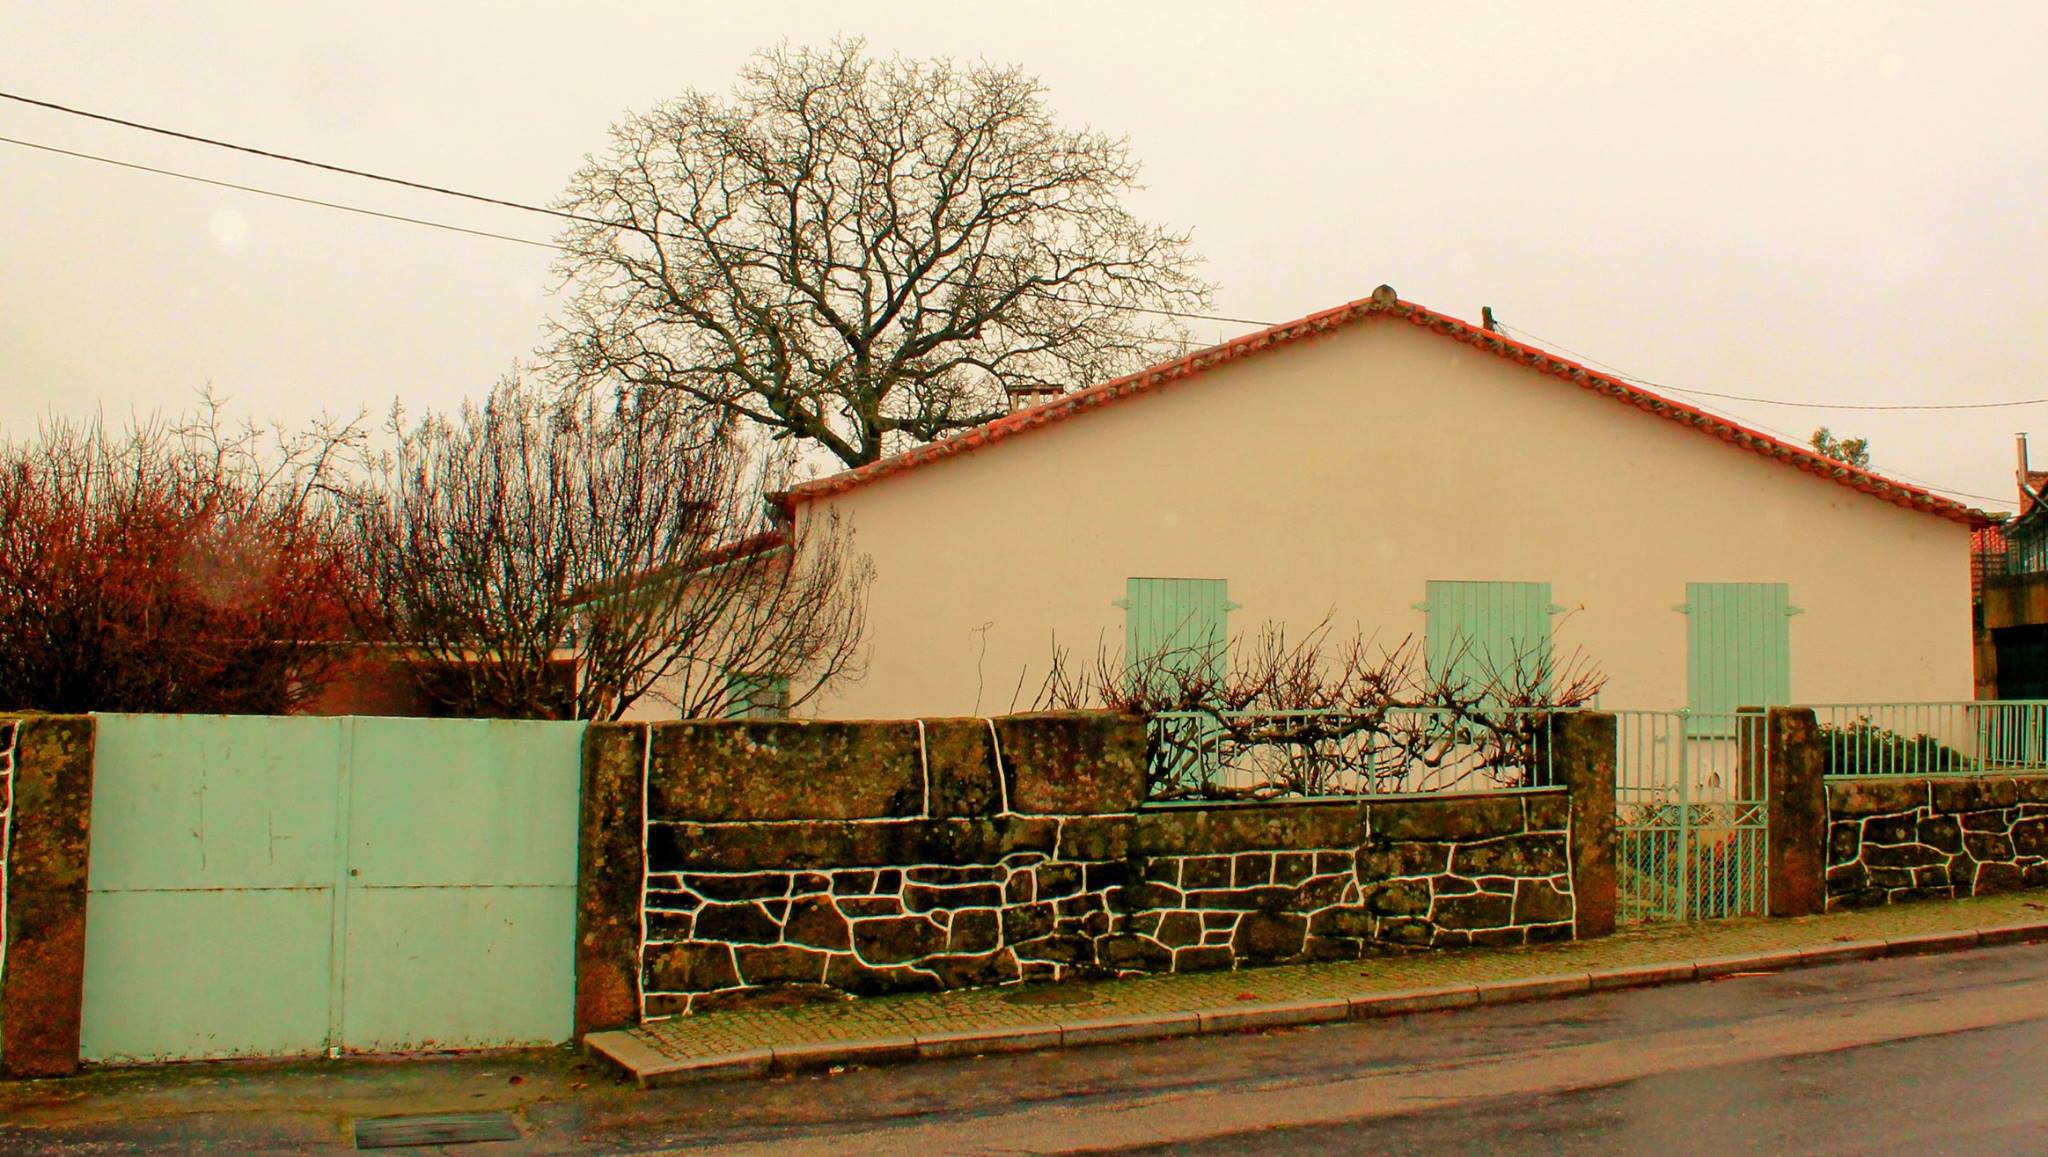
791 859
45 830
734 862
1903 838
747 861
1225 885
10 731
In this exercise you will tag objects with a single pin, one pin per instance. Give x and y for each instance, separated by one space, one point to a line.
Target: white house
1406 472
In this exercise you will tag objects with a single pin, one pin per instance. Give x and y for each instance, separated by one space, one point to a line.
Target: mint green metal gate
266 886
1692 808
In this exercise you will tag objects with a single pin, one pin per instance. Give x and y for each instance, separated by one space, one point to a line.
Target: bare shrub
624 535
176 565
1320 716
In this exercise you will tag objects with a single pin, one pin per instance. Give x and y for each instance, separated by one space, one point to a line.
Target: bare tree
856 253
176 565
566 555
1319 716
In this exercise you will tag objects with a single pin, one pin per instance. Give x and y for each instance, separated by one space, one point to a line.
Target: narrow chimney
1025 397
2026 482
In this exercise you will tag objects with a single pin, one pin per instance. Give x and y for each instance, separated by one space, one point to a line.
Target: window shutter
1184 620
1478 629
756 695
1738 646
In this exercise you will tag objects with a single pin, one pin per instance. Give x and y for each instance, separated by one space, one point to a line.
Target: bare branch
1317 716
567 556
853 253
178 565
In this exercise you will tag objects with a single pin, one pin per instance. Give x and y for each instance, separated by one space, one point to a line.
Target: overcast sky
1808 202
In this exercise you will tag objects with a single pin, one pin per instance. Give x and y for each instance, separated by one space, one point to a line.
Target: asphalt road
1965 1092
1937 1054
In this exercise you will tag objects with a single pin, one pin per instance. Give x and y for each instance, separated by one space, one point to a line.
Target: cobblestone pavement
719 1033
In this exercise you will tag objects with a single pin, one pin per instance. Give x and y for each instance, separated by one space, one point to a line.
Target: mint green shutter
1477 630
756 695
1738 646
1183 620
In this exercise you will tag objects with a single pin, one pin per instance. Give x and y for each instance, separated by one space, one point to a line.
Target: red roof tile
1384 304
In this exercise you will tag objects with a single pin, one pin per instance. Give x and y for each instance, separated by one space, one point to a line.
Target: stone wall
795 859
10 729
872 908
1258 883
49 826
803 857
1899 838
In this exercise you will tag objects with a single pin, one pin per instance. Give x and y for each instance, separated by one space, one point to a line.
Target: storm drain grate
442 1129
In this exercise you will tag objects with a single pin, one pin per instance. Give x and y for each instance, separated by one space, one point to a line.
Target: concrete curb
652 1068
1534 988
1402 1001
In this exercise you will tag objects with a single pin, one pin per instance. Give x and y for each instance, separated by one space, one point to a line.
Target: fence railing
1382 751
2012 558
1961 738
1691 800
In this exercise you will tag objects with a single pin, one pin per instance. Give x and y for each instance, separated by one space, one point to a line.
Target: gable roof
1384 304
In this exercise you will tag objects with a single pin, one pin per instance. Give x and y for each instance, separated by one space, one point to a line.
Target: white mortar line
995 744
6 832
1571 868
646 830
924 758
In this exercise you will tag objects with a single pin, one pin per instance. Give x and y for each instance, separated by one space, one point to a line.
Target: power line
507 203
1863 406
759 251
1625 376
295 160
280 196
567 215
1782 434
1778 401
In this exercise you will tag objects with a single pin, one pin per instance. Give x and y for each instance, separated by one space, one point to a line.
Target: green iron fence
1320 753
1691 815
1960 738
2000 557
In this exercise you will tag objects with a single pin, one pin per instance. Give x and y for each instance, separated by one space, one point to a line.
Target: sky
1815 202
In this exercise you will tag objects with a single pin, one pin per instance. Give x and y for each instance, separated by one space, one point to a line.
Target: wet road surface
1933 1054
1968 1092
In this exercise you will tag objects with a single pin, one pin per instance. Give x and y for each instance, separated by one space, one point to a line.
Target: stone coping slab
753 1043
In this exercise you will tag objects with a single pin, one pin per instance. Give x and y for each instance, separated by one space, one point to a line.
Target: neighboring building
2011 570
1408 474
373 680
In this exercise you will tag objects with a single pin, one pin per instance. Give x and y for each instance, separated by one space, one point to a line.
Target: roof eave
1385 302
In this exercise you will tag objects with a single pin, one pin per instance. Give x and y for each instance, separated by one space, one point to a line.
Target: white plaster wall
1341 475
